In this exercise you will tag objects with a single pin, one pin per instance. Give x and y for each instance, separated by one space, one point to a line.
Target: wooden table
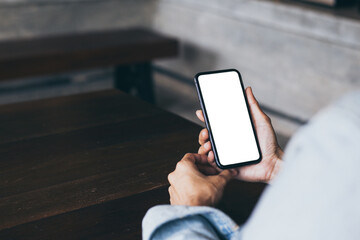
89 166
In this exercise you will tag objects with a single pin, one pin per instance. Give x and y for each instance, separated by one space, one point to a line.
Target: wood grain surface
89 166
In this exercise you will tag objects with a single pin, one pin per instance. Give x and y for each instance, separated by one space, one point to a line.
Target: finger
226 175
203 151
200 115
203 136
207 170
211 158
211 161
205 148
222 178
255 108
254 104
188 164
195 158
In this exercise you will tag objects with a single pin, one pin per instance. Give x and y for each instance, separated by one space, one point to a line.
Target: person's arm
272 154
195 184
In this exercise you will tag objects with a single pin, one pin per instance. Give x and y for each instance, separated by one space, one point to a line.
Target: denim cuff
158 216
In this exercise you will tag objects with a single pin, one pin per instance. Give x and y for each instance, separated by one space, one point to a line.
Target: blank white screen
228 117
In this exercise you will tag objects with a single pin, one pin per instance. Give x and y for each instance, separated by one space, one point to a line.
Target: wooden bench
89 166
130 51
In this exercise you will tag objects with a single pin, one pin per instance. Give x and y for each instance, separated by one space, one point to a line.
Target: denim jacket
189 223
316 195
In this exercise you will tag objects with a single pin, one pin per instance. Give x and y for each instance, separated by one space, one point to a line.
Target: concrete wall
28 18
296 60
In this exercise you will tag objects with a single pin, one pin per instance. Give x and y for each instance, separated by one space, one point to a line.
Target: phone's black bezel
208 123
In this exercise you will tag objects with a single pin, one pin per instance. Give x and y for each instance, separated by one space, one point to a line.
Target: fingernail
203 133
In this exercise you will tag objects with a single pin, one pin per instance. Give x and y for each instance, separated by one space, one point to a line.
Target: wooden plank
55 115
54 54
61 171
117 219
94 180
121 218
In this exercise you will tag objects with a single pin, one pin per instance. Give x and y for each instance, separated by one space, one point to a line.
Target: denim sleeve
317 193
315 196
184 222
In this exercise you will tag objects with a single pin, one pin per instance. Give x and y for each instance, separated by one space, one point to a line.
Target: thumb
222 178
255 109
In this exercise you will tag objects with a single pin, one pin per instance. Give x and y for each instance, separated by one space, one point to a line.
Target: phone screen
232 134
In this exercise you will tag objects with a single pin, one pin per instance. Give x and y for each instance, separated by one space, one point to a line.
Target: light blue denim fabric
315 196
184 222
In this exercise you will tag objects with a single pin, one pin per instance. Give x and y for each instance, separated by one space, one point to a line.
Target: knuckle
187 156
202 150
267 118
208 145
171 177
180 165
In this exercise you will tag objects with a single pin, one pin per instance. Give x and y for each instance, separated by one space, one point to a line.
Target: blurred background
298 56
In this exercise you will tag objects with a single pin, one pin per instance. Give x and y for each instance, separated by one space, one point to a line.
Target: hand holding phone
221 93
271 152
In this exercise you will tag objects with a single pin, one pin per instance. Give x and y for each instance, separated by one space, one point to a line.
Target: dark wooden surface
59 53
89 166
117 219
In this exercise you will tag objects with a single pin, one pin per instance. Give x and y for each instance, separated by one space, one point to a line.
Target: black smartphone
228 119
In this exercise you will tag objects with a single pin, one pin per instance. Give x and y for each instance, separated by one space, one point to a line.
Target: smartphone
227 118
